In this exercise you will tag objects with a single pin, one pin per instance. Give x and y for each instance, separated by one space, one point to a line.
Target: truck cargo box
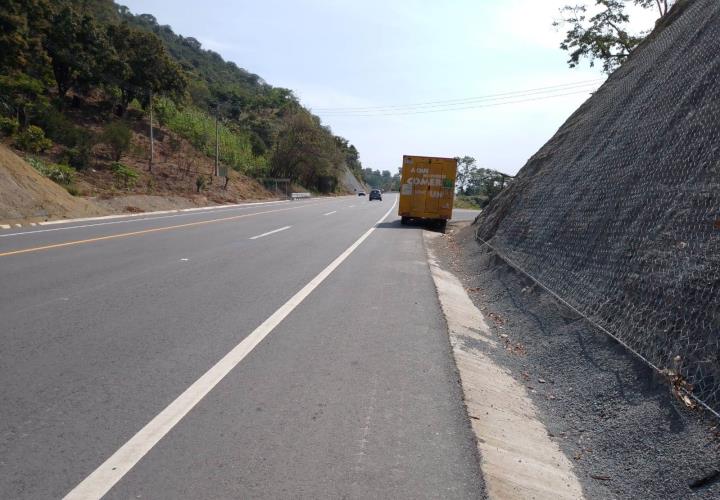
427 188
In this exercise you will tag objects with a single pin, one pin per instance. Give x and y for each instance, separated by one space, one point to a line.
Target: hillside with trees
476 186
384 180
80 81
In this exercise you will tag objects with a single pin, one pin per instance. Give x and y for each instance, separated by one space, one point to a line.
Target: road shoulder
617 422
518 458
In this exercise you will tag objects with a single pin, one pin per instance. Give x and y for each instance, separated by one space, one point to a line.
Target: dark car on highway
375 194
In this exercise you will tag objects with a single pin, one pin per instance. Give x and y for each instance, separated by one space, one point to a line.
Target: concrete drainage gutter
518 459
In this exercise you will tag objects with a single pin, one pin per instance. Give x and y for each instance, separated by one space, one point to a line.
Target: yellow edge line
144 231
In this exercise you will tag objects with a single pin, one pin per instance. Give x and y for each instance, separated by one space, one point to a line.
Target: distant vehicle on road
361 193
427 189
375 194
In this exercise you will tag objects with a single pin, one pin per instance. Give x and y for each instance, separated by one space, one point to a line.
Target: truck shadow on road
411 224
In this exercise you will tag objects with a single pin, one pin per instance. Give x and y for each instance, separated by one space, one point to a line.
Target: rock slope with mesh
619 213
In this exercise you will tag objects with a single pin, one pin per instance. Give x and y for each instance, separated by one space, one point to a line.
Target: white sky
341 53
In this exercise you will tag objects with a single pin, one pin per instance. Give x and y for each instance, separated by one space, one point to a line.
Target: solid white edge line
330 213
90 225
187 212
270 232
102 479
158 212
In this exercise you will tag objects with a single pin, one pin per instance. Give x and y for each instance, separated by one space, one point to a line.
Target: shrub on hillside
33 140
8 126
124 175
198 128
80 156
62 174
200 183
117 136
61 129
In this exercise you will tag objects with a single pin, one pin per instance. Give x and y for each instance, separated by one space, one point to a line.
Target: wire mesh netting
619 213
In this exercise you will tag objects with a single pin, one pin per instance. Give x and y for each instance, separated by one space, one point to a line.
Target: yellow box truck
427 188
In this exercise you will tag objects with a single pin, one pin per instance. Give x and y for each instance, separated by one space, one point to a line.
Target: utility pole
152 142
217 141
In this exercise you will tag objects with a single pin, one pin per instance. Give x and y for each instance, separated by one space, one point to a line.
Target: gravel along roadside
618 423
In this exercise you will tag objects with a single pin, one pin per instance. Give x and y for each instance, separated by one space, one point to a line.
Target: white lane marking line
184 260
270 232
351 206
102 479
133 220
330 213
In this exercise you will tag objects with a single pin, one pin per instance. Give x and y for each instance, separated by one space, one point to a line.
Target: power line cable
463 105
456 108
517 93
450 105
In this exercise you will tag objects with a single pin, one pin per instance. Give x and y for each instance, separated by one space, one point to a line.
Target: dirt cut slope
27 195
619 213
350 183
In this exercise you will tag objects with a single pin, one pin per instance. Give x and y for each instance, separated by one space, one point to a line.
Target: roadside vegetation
599 31
476 186
80 78
384 180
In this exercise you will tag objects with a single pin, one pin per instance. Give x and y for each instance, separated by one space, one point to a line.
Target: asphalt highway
277 350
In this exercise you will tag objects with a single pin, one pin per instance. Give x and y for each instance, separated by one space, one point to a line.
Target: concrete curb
518 458
143 214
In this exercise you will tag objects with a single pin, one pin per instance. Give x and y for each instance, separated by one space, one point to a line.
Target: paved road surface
352 393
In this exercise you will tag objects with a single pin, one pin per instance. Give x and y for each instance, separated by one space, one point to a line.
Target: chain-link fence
619 214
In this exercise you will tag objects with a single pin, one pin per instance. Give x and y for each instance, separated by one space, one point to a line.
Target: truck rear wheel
404 220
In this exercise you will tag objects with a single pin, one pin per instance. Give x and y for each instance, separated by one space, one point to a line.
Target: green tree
22 25
384 180
141 65
486 184
124 175
77 50
306 152
466 168
117 136
22 96
33 140
602 32
351 154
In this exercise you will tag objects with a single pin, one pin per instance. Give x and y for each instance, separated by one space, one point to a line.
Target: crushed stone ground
618 422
